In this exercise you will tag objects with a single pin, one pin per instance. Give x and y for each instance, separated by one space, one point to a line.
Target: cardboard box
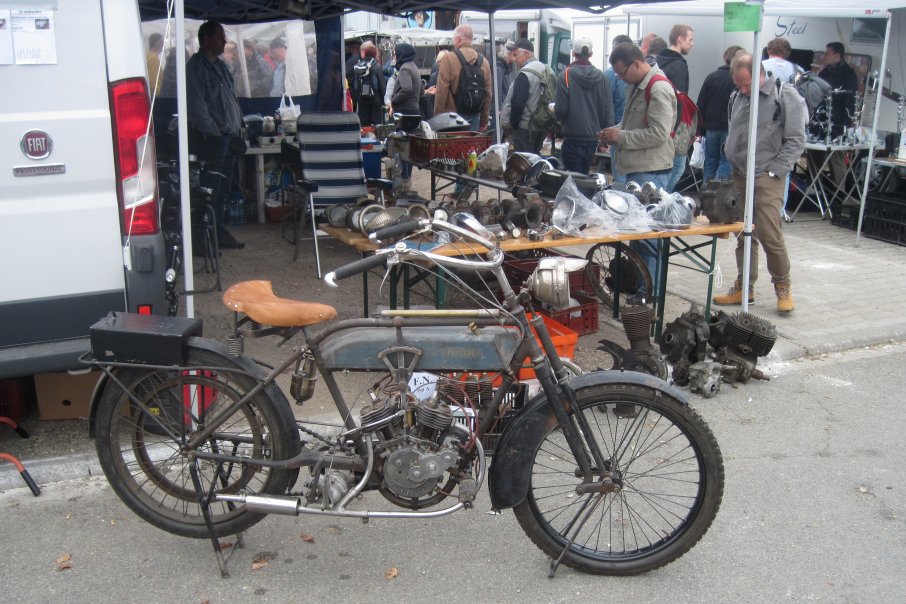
64 395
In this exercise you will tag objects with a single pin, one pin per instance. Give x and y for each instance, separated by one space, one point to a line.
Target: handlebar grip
354 268
396 230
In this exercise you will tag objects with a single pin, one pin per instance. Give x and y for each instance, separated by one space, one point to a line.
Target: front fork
553 377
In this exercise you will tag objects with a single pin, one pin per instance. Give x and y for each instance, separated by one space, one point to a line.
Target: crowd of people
631 111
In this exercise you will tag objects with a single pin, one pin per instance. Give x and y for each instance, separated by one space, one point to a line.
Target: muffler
271 504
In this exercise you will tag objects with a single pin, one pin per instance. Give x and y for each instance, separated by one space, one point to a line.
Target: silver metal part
397 475
432 466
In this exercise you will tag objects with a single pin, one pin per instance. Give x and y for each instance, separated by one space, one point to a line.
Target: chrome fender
510 472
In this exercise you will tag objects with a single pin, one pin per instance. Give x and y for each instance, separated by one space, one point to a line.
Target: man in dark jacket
841 76
583 106
713 101
259 71
671 61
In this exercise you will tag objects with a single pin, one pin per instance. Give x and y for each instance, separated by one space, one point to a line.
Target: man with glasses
644 148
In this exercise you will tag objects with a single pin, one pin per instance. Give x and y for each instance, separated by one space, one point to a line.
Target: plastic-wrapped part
674 211
576 215
493 159
626 207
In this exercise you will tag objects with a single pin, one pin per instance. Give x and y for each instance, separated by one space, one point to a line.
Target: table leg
663 267
259 181
617 287
711 276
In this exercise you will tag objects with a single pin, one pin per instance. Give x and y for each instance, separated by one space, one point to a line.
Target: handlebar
354 268
397 230
393 254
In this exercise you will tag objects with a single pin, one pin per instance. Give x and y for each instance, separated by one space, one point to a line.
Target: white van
79 215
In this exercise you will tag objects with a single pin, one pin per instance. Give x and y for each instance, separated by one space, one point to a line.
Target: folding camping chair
331 154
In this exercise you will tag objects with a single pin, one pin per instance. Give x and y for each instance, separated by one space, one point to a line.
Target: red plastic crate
582 319
449 146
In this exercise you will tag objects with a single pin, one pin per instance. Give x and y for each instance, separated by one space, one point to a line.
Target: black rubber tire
598 271
664 447
145 467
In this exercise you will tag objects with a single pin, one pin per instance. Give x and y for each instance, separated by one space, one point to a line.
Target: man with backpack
526 114
644 146
464 83
369 86
780 141
584 107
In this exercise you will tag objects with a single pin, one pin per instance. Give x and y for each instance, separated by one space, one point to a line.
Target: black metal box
150 339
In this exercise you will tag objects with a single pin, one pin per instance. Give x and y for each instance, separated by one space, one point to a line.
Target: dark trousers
219 160
577 154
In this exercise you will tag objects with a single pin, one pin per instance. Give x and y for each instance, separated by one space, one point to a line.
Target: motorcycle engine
416 449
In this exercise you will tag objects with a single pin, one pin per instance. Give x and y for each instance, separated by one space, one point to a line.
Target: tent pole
494 77
874 130
754 98
182 120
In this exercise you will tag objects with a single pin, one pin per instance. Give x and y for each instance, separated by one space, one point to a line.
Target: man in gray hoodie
583 106
779 143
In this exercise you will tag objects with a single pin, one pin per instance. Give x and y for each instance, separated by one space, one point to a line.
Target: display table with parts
670 244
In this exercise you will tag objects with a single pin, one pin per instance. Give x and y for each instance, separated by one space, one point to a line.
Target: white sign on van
33 37
6 39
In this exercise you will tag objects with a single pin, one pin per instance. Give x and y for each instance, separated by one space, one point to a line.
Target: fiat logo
36 144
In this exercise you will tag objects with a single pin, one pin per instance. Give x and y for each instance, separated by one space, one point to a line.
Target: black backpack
470 94
364 84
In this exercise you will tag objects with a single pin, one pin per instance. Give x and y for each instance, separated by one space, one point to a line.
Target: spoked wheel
140 445
670 474
603 267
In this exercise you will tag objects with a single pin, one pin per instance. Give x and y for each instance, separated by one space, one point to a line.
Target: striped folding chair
331 151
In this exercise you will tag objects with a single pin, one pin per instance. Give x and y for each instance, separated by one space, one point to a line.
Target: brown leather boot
734 296
784 293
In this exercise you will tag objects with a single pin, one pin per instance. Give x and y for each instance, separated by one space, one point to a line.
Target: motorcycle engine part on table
720 202
336 215
525 468
550 182
438 348
158 487
449 122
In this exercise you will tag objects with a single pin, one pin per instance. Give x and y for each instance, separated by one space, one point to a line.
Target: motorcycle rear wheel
149 472
672 476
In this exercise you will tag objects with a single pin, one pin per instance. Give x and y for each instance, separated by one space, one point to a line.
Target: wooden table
670 244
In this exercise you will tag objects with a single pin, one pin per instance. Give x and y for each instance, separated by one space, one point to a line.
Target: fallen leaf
307 538
392 573
259 565
225 545
64 562
261 559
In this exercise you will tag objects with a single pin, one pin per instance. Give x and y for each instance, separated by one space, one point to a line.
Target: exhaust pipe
288 506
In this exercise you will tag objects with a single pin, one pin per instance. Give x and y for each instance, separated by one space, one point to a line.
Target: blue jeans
617 177
577 154
648 249
679 166
716 163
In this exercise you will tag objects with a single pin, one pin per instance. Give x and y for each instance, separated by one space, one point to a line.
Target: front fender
510 471
241 362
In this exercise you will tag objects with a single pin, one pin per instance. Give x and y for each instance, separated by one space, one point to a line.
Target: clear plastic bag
575 214
493 159
629 212
674 211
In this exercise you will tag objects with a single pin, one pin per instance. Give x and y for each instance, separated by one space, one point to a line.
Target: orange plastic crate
564 340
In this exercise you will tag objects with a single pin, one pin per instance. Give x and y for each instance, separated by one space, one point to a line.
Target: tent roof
250 11
792 8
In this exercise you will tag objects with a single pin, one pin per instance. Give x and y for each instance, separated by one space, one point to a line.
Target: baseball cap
510 45
582 46
278 42
524 44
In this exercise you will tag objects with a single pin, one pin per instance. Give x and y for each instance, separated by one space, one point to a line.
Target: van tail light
135 157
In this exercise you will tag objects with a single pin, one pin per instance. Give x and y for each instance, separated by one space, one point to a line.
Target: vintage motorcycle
608 472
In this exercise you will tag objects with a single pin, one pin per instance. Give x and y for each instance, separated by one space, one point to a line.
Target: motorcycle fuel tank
442 348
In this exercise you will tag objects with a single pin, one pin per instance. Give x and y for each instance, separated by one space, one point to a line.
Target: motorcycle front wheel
140 445
670 474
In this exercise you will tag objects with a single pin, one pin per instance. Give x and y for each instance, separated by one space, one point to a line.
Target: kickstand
555 564
203 501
